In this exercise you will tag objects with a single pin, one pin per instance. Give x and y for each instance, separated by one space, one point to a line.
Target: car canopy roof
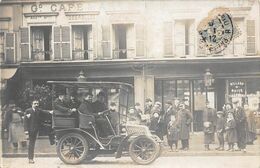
93 85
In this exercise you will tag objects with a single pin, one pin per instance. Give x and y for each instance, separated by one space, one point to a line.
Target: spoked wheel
144 150
72 148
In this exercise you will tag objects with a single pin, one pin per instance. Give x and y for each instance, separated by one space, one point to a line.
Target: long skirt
16 132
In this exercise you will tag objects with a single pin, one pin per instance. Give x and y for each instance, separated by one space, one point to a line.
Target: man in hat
176 104
209 122
86 106
60 107
241 125
185 119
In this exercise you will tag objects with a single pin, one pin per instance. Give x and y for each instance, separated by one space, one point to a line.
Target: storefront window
246 91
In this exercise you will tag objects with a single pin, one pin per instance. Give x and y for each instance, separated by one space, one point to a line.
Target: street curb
164 154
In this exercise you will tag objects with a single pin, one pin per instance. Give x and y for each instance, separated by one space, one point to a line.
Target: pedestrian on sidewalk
184 118
241 125
173 130
231 132
13 123
220 129
32 126
251 125
209 123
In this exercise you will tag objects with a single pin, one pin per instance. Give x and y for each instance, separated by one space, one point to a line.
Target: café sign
56 7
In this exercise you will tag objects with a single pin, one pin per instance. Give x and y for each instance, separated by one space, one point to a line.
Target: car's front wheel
72 148
144 150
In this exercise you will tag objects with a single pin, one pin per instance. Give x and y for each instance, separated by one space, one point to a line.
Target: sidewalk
44 149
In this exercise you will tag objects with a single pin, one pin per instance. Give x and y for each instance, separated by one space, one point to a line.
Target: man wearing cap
209 122
241 124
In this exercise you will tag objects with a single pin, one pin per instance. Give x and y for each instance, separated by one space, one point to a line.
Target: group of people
234 124
173 122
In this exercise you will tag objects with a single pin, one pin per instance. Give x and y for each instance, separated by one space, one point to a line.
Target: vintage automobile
78 139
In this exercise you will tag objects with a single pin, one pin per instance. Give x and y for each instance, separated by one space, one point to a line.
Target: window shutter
191 36
251 48
25 53
90 43
106 41
130 41
65 42
168 37
10 48
179 35
57 43
140 37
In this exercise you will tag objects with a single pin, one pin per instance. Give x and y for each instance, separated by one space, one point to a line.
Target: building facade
153 45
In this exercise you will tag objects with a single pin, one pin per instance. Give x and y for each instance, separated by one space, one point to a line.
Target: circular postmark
216 31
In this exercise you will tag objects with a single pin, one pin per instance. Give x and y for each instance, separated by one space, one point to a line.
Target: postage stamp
217 30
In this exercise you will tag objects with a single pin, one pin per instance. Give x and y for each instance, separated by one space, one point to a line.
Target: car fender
60 132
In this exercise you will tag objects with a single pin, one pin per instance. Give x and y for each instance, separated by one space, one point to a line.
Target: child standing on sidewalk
231 133
173 133
220 129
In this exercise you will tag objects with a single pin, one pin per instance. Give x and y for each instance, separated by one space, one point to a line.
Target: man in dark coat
32 125
61 107
169 112
241 125
99 105
209 123
184 118
86 106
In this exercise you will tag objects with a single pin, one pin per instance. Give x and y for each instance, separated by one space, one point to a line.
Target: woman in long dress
14 125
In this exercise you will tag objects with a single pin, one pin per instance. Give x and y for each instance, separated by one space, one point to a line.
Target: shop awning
7 73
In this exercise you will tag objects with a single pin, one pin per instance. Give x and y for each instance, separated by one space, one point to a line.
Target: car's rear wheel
144 150
72 148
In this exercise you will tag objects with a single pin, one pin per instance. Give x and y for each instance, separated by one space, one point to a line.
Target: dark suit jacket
32 124
60 107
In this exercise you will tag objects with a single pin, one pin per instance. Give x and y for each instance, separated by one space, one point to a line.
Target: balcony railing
123 53
40 55
81 54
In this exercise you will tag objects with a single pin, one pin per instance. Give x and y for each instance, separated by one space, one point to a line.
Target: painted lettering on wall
57 7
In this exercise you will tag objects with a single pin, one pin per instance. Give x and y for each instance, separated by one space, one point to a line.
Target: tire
144 150
72 148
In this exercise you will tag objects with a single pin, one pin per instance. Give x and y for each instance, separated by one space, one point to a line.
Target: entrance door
201 93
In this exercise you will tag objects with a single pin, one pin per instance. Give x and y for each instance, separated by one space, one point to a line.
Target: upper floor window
82 42
184 38
41 42
123 41
237 45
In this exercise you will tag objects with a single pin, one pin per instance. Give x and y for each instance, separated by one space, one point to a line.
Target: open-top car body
78 137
